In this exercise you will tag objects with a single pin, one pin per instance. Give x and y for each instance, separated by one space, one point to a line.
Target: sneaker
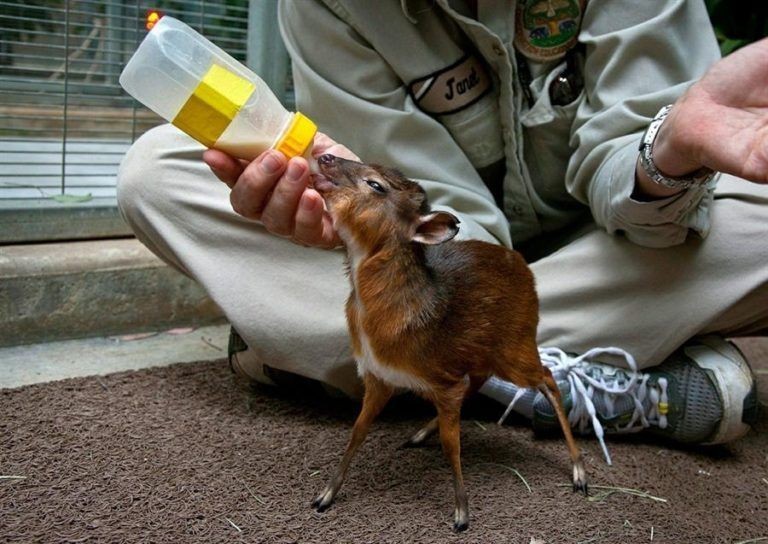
243 361
245 364
704 393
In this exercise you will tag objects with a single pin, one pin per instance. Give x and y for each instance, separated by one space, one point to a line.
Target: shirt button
499 50
518 209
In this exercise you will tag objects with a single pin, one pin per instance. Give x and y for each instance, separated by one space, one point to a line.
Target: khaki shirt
356 64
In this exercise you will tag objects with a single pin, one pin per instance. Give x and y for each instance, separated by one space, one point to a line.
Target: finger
325 144
313 225
343 152
321 143
224 167
280 211
308 227
250 193
330 237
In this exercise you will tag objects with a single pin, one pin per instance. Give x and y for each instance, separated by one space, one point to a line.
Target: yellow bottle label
213 104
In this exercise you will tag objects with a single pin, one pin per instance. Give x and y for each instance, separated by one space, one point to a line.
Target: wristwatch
700 177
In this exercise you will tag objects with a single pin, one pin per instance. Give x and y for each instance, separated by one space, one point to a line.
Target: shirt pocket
547 134
477 131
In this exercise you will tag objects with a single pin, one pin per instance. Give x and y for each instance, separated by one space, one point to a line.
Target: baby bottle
190 82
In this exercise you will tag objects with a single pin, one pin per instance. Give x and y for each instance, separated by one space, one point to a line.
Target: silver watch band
702 176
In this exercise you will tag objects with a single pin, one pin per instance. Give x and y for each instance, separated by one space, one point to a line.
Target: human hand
722 120
277 192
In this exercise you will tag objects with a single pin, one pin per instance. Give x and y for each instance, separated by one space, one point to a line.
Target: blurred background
64 120
738 22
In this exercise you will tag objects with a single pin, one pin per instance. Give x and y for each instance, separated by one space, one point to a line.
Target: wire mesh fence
65 123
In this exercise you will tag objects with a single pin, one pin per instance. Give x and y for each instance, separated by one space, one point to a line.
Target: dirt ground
183 454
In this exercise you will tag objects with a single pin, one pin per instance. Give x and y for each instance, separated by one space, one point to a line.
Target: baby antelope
428 313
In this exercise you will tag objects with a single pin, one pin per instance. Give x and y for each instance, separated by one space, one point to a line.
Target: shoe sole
734 381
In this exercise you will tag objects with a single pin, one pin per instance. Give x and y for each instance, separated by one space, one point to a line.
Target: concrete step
51 361
93 288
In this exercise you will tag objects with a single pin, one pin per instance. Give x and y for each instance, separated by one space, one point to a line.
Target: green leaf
72 199
728 46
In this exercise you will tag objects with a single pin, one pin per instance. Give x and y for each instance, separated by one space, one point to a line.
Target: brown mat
181 454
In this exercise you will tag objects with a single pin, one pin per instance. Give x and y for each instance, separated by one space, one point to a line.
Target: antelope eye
376 186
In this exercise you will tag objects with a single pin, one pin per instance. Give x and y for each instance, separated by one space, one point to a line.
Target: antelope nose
326 159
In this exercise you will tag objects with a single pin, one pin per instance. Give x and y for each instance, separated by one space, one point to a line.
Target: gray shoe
245 364
704 393
243 361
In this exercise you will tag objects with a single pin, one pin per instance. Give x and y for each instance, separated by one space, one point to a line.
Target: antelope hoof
580 479
324 500
411 443
417 440
460 520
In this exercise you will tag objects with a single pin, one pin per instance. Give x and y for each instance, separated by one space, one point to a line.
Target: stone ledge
45 220
50 361
93 288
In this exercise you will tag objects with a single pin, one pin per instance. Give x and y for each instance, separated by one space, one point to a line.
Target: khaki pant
287 301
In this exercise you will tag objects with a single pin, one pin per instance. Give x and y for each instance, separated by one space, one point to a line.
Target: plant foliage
738 22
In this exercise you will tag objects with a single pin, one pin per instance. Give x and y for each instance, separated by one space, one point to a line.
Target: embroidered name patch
451 89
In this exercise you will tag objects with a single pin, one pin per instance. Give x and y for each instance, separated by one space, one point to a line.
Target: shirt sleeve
353 95
640 57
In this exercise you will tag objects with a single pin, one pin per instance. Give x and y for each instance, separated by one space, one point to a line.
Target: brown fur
448 313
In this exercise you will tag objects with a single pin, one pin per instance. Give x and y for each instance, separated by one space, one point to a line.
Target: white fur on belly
366 362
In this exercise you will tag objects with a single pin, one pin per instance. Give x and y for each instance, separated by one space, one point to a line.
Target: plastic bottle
190 82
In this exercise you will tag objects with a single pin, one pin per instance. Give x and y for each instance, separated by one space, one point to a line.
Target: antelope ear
435 228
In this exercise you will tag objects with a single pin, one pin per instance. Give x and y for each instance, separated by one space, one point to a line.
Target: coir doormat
184 454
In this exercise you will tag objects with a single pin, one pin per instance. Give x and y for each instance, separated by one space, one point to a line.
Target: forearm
623 93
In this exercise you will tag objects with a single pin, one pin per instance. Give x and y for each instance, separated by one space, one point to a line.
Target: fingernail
270 163
295 170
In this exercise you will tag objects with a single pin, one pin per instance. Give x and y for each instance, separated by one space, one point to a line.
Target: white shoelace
584 387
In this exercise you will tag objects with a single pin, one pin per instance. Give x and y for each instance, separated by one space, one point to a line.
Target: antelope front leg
449 420
377 394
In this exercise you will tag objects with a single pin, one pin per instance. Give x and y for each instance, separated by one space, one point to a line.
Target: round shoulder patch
546 29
